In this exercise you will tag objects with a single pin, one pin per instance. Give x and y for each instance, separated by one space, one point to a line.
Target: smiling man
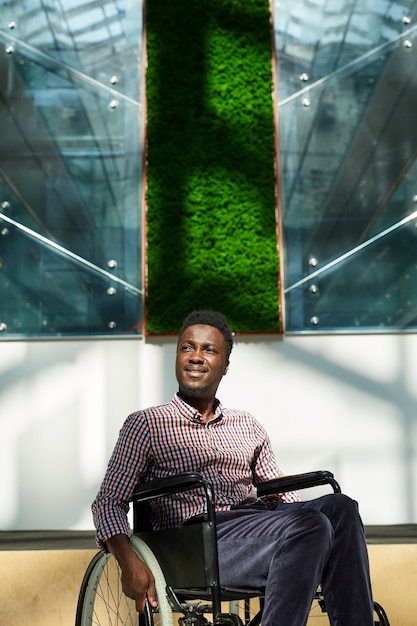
286 546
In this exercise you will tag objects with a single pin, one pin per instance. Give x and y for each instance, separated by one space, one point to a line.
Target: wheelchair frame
187 558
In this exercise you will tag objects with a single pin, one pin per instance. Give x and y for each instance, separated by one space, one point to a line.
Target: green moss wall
211 205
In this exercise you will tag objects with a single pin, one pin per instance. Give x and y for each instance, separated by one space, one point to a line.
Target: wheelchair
184 562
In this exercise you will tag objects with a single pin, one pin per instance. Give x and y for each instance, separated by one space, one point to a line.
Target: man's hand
138 582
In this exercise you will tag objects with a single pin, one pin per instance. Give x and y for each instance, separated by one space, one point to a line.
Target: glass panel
75 294
70 173
347 142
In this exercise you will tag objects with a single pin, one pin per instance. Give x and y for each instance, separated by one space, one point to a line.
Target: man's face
201 360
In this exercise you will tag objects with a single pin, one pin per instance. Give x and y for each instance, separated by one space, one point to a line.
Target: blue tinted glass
70 172
348 178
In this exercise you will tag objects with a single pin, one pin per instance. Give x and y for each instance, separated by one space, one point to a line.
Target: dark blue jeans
292 549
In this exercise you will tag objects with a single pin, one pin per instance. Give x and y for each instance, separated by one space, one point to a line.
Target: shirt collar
192 414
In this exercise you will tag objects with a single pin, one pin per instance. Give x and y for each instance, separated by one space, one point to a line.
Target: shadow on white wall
337 402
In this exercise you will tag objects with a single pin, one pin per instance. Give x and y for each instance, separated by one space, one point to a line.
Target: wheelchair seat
188 554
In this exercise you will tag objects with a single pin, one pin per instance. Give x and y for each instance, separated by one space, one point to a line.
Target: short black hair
211 318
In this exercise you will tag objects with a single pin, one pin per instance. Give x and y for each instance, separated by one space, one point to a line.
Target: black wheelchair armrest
295 482
175 484
168 486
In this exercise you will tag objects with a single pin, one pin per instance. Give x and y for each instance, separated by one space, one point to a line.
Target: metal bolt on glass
313 261
408 44
406 19
111 291
112 325
306 102
3 327
5 232
113 104
114 80
314 320
12 24
313 289
304 77
5 205
112 264
9 49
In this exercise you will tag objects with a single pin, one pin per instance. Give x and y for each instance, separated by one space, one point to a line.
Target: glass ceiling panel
70 168
347 87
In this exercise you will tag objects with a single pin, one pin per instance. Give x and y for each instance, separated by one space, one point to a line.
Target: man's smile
195 371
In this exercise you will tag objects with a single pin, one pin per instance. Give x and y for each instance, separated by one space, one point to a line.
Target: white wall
343 403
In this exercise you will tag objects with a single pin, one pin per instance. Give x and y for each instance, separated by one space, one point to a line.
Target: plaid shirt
232 451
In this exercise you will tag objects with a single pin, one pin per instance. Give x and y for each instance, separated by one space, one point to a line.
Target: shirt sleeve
265 468
127 464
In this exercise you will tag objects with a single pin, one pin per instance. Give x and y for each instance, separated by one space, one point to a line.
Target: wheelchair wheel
101 601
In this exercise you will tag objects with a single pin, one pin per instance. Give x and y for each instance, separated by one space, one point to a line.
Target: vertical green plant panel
211 205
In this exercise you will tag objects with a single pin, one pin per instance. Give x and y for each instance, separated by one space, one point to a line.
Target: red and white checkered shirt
232 451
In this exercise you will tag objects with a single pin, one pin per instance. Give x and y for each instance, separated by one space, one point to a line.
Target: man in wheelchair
278 543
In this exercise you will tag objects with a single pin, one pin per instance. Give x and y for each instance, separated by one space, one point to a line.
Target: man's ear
226 369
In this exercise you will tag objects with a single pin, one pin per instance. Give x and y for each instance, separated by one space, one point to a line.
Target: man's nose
197 355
